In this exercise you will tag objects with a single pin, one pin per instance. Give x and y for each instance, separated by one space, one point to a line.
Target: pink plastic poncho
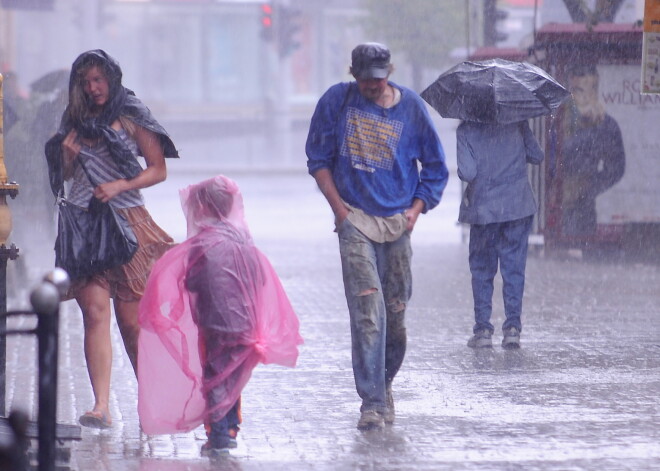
213 308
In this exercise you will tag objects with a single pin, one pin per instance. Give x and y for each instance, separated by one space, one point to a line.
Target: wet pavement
582 393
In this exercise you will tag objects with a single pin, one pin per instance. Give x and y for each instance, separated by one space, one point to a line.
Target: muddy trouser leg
366 307
396 280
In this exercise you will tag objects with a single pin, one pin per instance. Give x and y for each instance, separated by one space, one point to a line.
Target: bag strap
344 102
61 197
342 107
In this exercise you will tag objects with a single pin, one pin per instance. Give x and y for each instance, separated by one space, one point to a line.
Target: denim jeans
216 360
378 285
506 243
224 429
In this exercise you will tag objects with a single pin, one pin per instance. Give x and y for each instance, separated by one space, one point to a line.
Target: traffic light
267 23
493 18
500 16
288 27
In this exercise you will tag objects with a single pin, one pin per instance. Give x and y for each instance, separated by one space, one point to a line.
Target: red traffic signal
267 32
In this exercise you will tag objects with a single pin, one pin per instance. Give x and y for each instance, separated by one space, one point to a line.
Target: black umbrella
54 80
10 117
494 91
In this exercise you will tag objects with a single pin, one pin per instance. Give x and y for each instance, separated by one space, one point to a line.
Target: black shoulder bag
92 240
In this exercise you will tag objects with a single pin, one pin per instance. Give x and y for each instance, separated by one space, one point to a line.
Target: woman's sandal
94 419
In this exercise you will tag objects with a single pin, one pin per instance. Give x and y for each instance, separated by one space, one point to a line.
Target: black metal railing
45 301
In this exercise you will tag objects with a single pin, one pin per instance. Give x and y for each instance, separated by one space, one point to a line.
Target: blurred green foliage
426 31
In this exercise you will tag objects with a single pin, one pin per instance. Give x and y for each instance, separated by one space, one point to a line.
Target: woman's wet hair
80 105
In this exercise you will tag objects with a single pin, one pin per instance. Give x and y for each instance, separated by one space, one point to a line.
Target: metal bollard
13 454
45 300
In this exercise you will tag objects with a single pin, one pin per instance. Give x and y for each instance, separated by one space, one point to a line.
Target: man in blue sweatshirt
378 160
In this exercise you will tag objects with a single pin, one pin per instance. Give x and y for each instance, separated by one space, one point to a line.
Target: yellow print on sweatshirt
370 140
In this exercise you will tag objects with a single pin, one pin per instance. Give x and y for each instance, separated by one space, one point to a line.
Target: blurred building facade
210 59
187 57
233 95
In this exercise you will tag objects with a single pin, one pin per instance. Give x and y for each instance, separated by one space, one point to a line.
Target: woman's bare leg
94 301
127 320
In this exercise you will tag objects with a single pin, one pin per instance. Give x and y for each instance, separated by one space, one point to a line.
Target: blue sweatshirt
374 152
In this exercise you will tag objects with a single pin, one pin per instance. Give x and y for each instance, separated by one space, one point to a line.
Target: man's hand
341 214
413 213
327 186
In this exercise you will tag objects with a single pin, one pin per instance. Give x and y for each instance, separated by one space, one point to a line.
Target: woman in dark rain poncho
213 309
107 127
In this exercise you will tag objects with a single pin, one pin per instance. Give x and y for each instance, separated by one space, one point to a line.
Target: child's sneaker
215 450
233 433
220 439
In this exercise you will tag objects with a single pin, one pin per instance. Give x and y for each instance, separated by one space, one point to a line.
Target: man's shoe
389 413
511 339
481 339
371 420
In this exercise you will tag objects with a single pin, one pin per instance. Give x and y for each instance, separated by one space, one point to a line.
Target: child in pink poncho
213 308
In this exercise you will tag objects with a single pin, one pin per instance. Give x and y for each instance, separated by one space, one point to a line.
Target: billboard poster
635 197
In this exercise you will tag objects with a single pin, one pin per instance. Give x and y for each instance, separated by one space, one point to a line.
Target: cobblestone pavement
582 393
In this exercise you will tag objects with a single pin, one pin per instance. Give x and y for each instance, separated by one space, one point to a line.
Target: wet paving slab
581 394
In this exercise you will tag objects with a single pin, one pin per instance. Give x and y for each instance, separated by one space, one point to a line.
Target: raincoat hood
211 203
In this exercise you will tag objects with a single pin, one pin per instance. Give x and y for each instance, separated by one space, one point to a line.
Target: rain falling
235 85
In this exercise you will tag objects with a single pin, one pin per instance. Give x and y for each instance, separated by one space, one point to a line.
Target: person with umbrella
499 205
494 145
365 142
